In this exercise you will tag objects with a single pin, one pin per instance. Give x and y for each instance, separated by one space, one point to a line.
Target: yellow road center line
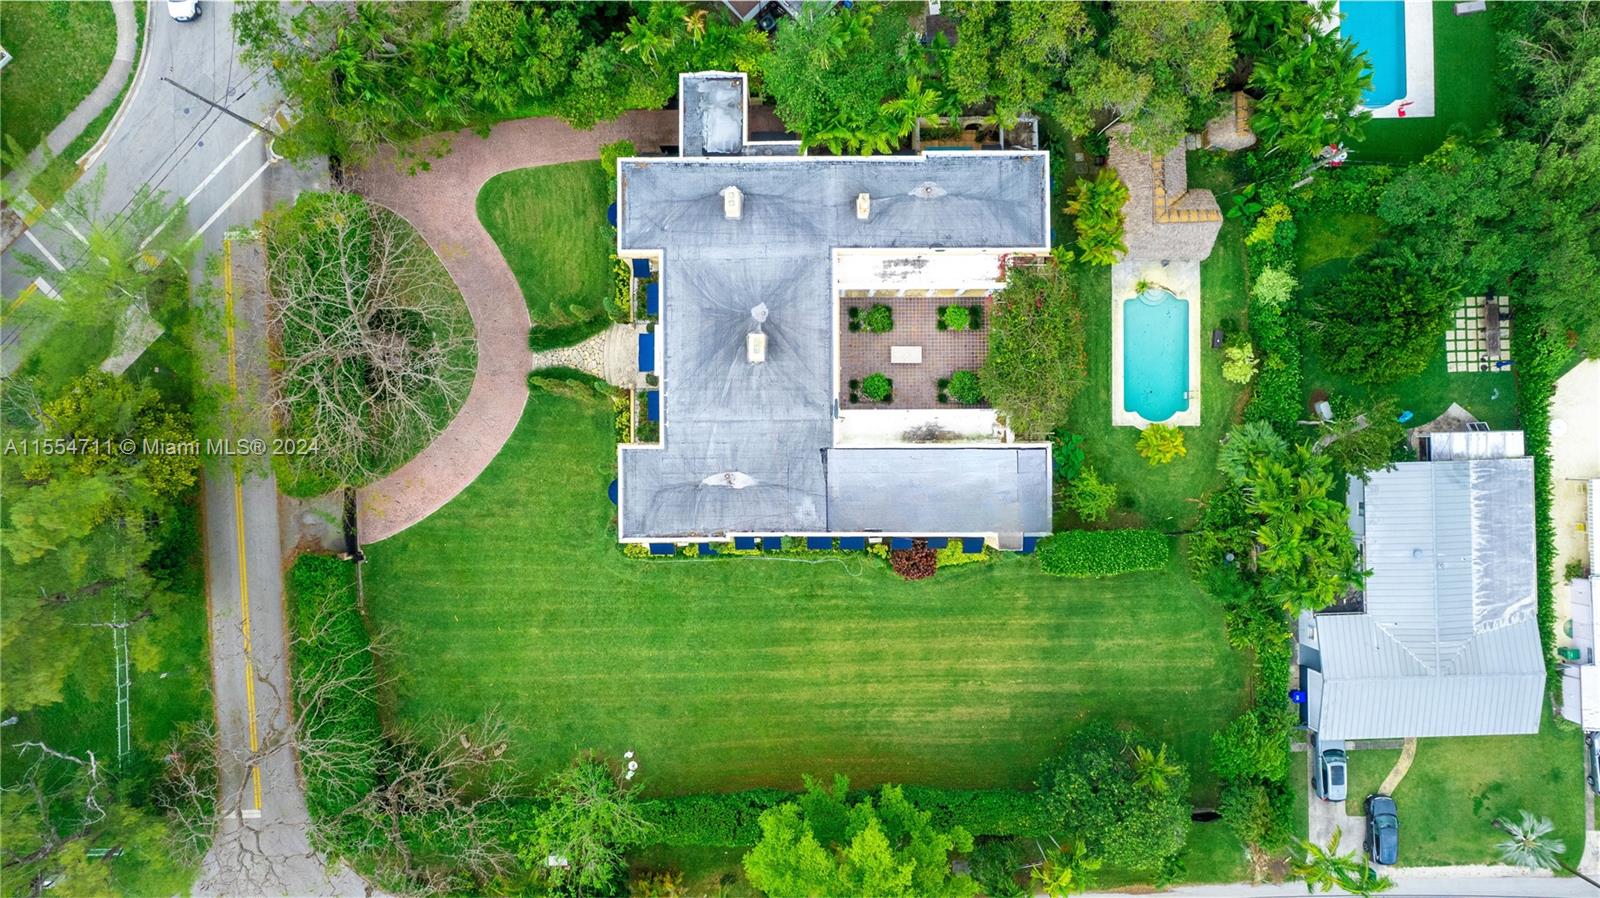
26 292
238 520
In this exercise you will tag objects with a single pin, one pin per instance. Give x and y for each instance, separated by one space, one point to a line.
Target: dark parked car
1383 829
1594 760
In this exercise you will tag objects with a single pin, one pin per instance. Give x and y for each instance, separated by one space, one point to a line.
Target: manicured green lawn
1463 67
1368 768
1164 497
1457 787
550 224
1327 246
1300 788
728 673
61 51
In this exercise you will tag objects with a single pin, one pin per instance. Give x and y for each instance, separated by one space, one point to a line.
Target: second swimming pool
1379 29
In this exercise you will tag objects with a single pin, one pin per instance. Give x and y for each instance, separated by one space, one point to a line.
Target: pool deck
1183 279
1419 99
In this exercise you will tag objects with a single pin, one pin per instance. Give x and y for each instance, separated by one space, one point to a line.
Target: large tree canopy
850 79
1155 66
1116 790
1383 320
1036 362
1013 54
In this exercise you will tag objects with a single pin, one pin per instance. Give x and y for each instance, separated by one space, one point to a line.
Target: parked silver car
1331 774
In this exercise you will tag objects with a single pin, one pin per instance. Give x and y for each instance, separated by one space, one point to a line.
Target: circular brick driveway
442 204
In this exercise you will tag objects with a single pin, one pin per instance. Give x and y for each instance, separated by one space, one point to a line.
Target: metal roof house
754 246
1446 641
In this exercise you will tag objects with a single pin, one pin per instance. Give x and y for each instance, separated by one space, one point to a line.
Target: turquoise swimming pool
1379 29
1155 355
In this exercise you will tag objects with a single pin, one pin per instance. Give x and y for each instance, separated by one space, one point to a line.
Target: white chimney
863 206
732 203
755 348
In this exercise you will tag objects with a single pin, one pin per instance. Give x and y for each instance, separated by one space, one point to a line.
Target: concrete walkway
104 93
1408 753
442 204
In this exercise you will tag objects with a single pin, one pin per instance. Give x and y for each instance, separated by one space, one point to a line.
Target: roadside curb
140 69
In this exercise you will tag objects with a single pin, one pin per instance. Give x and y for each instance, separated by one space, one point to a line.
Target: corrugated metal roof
1448 644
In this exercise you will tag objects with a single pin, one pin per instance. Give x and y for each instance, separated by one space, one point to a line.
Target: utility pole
221 108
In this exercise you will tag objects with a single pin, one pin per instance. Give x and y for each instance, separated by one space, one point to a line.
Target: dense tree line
366 75
100 534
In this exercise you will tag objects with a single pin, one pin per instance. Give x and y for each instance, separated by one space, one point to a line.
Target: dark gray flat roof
940 489
743 444
942 200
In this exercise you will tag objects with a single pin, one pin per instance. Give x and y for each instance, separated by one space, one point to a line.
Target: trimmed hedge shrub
965 389
879 319
1103 553
732 819
1541 359
877 387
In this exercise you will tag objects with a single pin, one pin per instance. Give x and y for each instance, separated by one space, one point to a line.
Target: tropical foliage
1013 54
1152 66
1311 78
1091 497
850 79
1307 558
1383 321
1104 790
1325 869
365 76
1097 209
1160 444
1239 363
882 845
1036 362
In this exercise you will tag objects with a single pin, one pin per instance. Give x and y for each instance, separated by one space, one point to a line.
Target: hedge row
732 819
1540 360
1103 553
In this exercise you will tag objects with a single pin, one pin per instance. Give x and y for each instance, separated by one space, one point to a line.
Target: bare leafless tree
370 333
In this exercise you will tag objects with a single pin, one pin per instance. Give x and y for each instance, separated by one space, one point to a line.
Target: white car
184 10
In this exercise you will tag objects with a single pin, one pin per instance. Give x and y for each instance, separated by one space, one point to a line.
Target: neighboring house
1444 638
1164 219
758 251
1580 675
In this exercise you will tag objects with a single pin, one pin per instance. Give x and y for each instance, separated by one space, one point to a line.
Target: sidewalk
104 93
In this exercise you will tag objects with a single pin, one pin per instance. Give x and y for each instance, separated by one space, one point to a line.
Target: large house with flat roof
758 251
1444 639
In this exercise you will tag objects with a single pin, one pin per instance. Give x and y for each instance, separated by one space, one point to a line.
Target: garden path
1402 766
441 204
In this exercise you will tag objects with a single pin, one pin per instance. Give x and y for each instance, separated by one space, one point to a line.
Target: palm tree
1066 872
1152 770
1528 843
694 24
1326 869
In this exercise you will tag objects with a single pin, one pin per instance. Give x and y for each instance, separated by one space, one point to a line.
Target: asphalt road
224 171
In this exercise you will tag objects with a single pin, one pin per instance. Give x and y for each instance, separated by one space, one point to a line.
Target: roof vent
928 190
863 206
736 479
732 203
755 348
1416 553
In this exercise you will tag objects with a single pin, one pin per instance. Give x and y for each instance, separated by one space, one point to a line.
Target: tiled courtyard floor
915 324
